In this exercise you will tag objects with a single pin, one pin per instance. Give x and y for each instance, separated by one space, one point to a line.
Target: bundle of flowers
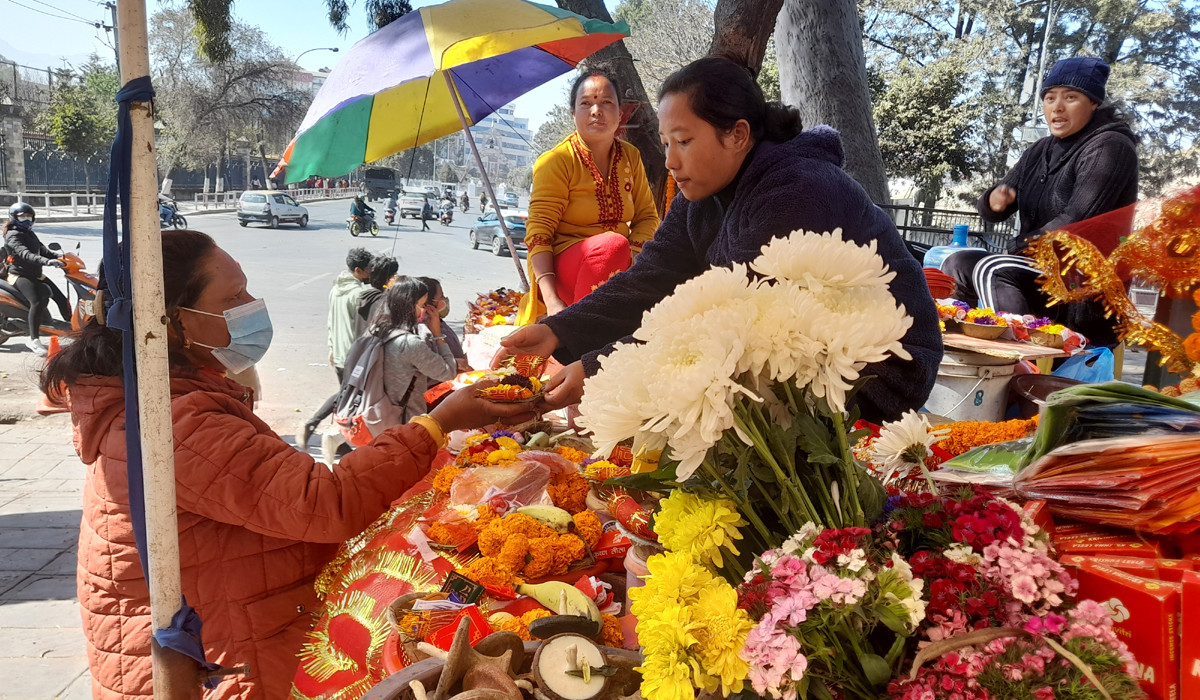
952 309
742 378
516 548
985 317
953 596
495 308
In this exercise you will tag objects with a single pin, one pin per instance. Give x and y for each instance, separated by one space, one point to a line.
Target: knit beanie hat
1085 74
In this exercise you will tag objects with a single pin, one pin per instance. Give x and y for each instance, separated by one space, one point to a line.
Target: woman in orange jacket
258 519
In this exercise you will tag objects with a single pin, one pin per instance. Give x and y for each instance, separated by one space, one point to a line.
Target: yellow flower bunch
700 526
502 457
507 443
690 628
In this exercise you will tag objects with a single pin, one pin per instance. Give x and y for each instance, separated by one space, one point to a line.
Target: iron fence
934 227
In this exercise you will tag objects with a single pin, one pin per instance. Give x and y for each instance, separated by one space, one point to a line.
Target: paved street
41 478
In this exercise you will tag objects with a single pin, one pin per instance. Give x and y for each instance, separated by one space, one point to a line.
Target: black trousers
1009 284
327 408
39 293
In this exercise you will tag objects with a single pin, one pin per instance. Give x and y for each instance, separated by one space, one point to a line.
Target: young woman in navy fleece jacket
746 174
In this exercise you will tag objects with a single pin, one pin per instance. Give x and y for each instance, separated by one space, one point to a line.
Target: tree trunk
642 128
742 30
267 181
822 72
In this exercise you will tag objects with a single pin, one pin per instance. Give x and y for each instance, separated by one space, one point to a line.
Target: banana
562 598
551 516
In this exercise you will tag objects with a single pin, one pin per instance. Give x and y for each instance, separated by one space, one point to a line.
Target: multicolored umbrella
390 92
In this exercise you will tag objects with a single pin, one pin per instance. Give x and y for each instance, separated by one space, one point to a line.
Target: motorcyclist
466 202
482 201
389 206
26 257
165 209
359 208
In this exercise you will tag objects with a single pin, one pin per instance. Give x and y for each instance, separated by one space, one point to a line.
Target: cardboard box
1189 676
1172 569
1146 617
1118 547
1140 566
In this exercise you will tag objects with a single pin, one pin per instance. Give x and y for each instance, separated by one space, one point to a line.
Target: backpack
363 410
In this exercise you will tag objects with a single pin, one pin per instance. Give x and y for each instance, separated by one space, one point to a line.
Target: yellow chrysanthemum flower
507 443
667 668
674 579
700 526
501 457
721 637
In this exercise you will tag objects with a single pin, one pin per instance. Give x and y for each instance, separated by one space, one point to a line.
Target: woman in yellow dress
591 208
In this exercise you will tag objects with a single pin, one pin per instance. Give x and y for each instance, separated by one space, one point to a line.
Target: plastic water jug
936 255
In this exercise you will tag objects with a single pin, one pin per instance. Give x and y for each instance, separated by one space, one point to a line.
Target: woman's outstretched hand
465 409
537 339
563 389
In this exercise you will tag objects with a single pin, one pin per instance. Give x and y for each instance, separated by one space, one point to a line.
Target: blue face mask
249 335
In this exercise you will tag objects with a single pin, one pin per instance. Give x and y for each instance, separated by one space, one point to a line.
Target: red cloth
258 520
589 263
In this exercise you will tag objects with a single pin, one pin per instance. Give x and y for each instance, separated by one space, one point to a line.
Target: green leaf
891 620
875 668
606 671
819 691
871 496
648 481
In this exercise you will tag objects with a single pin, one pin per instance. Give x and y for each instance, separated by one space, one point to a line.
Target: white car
410 204
270 207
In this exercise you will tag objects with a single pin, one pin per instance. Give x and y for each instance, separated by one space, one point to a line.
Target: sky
294 25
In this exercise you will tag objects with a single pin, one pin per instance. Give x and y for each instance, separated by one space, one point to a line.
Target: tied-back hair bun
722 91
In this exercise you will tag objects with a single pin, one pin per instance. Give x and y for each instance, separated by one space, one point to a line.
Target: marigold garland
445 478
612 635
966 435
569 491
588 527
451 533
571 454
520 625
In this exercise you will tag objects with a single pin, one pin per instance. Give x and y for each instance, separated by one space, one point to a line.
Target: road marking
310 280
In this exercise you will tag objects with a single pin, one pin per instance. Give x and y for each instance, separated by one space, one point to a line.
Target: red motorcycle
14 309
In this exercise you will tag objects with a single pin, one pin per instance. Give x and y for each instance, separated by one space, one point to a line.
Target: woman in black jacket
1087 166
746 174
26 258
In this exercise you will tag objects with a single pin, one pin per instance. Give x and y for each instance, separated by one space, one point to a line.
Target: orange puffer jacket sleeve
232 468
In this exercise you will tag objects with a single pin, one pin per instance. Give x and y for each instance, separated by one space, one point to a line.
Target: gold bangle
432 426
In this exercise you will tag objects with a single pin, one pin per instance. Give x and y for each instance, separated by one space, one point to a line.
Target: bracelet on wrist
432 426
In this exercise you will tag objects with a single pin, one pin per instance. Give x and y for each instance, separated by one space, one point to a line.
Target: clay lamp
571 667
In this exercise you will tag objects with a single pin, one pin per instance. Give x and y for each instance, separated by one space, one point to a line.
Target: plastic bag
503 488
1091 367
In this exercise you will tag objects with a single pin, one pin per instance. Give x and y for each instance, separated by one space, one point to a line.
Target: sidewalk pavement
41 483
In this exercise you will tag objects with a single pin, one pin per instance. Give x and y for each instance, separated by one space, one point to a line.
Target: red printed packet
612 545
1145 616
479 628
1139 566
1189 676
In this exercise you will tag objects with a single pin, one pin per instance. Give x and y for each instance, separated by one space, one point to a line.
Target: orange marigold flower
445 477
489 571
487 514
519 522
455 533
612 635
569 491
587 526
491 539
570 550
520 625
512 553
1191 346
966 435
572 454
541 557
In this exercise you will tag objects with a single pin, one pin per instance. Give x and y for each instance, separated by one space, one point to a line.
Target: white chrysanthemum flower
719 288
613 407
820 260
904 444
782 344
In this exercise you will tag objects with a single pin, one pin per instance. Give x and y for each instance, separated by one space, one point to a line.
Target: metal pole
112 6
175 676
1037 90
487 184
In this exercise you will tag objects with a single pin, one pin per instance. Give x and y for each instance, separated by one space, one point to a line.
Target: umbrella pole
487 184
175 675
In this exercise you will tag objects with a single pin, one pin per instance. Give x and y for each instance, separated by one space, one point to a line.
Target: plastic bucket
971 386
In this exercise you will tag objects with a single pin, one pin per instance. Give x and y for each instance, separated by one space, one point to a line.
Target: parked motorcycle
173 218
362 224
14 308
